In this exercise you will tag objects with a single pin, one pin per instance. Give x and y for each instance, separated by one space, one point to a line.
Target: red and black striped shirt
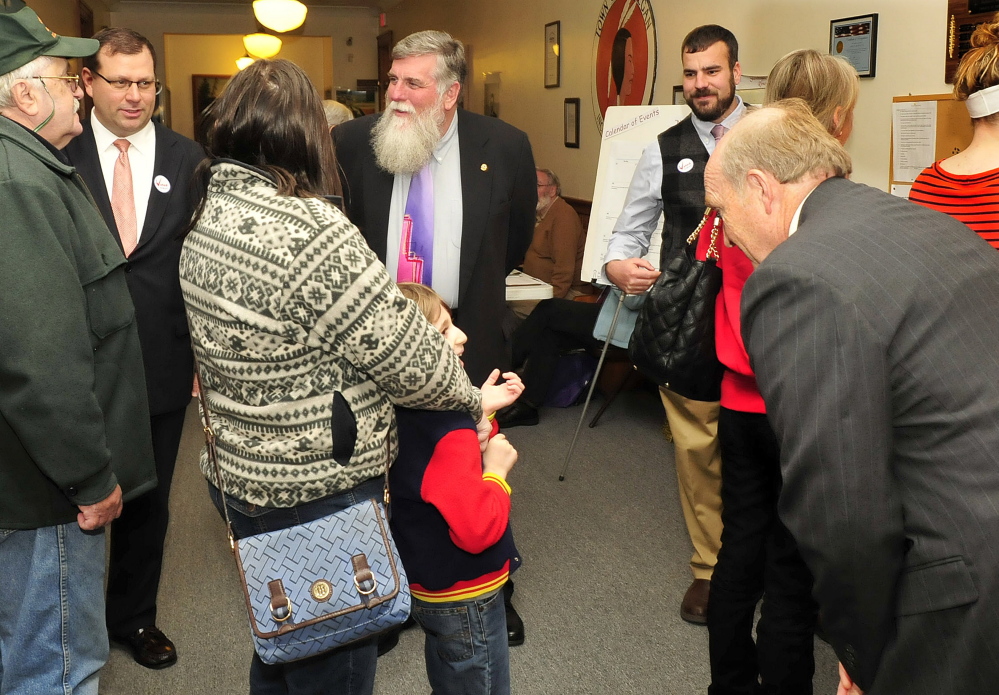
972 199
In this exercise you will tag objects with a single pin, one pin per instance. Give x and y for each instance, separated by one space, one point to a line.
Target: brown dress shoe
694 608
150 647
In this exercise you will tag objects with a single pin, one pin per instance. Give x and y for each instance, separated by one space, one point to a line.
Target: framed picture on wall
552 59
572 123
856 40
678 99
205 89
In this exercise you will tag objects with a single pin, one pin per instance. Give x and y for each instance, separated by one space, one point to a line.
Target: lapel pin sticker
162 184
685 165
484 167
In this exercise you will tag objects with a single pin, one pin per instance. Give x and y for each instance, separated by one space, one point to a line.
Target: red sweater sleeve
476 510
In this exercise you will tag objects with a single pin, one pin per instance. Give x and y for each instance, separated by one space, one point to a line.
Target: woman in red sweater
966 186
758 557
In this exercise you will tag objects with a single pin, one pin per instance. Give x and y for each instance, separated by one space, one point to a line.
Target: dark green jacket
73 414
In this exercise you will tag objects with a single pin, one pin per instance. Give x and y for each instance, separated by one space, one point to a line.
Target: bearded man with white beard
476 183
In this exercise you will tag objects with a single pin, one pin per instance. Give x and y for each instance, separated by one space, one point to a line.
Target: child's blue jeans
466 649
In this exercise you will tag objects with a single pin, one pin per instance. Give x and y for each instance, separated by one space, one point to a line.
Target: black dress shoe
514 626
517 415
150 647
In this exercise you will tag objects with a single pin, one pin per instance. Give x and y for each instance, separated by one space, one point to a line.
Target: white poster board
627 131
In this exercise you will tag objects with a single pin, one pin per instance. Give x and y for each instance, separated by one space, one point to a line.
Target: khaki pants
698 469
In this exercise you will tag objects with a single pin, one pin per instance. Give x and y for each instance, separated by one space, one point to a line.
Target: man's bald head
764 168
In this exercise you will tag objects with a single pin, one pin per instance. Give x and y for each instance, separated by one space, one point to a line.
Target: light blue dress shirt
643 205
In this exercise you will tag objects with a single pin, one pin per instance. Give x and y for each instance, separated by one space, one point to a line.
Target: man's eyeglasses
125 85
74 80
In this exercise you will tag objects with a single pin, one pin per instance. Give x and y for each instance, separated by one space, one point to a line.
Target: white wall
508 37
350 63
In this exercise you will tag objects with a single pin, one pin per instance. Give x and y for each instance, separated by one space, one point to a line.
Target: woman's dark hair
618 56
270 116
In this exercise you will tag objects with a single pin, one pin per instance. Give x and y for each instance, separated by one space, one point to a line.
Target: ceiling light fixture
262 45
244 62
280 15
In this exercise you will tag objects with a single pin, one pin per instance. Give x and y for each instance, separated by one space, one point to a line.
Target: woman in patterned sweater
303 341
966 186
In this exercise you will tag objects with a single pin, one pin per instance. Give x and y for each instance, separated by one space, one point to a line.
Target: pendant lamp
244 62
262 45
280 15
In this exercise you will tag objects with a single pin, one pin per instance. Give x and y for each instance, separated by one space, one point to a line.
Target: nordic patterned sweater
304 343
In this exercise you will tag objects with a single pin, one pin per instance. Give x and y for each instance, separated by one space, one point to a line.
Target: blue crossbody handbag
320 585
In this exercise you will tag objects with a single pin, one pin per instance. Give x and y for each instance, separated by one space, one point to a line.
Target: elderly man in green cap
74 422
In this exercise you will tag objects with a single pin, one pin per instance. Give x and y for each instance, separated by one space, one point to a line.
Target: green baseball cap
24 37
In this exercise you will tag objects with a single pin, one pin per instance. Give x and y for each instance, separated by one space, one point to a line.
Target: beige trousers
698 469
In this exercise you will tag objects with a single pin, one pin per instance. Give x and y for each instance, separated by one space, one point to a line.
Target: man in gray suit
873 328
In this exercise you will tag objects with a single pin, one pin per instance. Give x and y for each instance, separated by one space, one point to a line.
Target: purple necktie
717 132
416 247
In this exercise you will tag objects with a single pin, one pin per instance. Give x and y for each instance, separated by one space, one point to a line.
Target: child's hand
499 456
499 396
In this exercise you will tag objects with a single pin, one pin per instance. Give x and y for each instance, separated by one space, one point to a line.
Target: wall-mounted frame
678 99
963 17
553 61
205 89
571 123
856 40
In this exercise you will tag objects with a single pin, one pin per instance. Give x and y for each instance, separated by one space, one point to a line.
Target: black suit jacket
499 198
874 335
152 270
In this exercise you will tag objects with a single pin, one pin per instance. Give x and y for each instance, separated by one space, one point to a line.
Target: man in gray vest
670 179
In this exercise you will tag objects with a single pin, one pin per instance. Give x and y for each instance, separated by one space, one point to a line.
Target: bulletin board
925 129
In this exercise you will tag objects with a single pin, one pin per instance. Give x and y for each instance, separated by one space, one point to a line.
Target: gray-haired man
74 423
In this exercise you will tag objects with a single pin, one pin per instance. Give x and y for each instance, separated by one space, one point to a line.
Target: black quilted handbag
674 339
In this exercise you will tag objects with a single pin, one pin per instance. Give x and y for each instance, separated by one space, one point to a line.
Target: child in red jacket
450 519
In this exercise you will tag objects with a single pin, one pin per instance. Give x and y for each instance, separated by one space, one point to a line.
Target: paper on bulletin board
901 190
627 131
914 132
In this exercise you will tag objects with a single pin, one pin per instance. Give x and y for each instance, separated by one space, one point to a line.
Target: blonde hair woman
964 186
828 84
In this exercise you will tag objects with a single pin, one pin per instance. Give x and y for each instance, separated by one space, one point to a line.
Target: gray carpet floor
605 566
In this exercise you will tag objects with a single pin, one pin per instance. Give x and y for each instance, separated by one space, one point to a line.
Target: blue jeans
52 633
466 649
349 670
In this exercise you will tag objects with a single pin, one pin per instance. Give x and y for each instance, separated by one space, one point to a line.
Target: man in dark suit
477 174
873 331
139 175
483 181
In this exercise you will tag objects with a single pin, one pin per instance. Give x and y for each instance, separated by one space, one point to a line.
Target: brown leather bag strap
211 452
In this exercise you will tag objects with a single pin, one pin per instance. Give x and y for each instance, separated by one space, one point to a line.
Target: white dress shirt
643 205
445 166
141 159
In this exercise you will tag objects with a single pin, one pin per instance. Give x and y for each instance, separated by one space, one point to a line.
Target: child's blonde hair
427 301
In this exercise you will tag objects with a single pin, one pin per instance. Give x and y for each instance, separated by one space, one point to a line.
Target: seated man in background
556 252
